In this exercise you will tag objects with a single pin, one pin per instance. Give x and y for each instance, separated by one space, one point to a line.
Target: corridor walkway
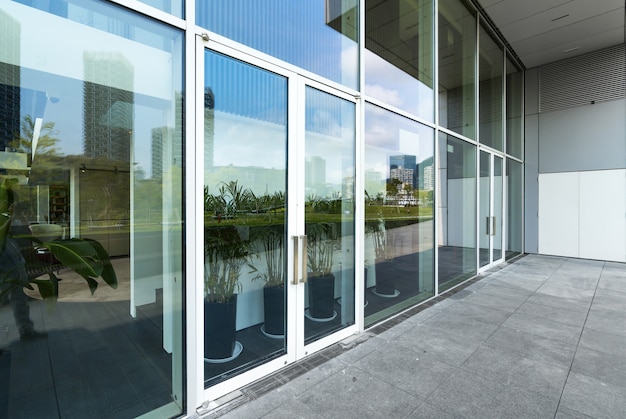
542 337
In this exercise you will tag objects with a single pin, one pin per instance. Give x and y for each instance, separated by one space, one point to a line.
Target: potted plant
270 243
385 279
322 241
225 253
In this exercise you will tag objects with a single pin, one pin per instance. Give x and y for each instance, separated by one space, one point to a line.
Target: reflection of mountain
107 106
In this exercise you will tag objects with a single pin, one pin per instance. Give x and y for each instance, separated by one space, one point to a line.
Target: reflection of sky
55 71
393 86
294 31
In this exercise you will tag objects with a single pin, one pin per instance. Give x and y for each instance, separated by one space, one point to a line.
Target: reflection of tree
46 143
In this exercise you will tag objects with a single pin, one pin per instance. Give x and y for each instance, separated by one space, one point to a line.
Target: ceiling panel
540 30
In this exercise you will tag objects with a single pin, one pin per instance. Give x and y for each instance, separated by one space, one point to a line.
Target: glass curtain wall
245 223
320 36
399 54
514 108
457 67
490 90
399 227
514 183
91 197
457 211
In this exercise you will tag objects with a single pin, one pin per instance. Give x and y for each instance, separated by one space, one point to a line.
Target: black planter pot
321 296
385 278
220 328
274 310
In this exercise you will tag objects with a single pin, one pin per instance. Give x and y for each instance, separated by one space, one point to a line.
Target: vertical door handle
304 264
296 257
488 226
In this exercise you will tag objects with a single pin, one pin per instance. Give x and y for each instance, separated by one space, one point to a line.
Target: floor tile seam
569 372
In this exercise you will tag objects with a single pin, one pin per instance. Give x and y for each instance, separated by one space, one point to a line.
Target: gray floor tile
609 368
609 300
527 283
612 281
468 395
607 321
582 296
417 373
315 376
500 302
560 315
428 411
603 342
498 290
464 328
474 311
439 343
564 413
533 346
352 393
543 327
511 370
560 302
593 397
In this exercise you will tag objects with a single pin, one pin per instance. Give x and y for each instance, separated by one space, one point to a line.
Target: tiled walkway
542 337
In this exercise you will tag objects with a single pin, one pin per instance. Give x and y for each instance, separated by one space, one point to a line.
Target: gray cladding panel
591 137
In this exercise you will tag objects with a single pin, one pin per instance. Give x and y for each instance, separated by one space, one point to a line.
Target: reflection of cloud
391 97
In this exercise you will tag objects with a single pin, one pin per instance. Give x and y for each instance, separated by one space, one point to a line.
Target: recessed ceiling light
571 49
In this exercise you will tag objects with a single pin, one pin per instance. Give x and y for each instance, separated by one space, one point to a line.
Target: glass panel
496 223
490 91
174 7
399 54
320 36
91 144
457 68
484 208
245 159
457 211
399 229
514 107
514 208
329 213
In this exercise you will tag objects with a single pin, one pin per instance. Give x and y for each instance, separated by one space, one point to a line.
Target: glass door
278 222
490 203
327 190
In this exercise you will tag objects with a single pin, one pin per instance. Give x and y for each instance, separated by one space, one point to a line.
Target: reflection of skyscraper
167 143
9 79
315 171
429 180
403 168
209 126
107 106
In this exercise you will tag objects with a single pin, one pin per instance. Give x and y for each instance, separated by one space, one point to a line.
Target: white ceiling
543 31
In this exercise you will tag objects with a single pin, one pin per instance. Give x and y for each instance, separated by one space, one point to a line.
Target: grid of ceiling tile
583 80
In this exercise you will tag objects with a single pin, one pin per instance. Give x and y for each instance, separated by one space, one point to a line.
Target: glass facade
457 197
399 227
457 67
322 35
127 294
514 108
491 68
399 57
91 175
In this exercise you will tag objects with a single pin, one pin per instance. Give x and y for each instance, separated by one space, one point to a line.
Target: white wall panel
558 214
603 215
583 214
